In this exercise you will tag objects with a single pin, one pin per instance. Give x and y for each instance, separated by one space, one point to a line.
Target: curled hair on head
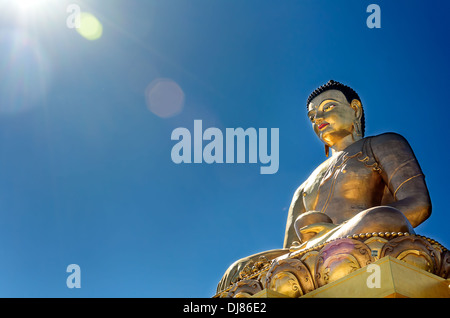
348 92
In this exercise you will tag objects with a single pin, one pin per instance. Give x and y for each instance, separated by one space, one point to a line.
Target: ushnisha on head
337 115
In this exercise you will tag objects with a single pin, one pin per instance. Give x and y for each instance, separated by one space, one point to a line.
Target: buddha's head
336 112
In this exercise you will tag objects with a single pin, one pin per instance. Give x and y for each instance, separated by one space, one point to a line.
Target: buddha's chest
342 185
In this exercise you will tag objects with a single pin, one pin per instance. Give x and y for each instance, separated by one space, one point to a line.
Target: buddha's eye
328 108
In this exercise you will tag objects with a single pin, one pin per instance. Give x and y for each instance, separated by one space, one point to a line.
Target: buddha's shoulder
390 145
386 139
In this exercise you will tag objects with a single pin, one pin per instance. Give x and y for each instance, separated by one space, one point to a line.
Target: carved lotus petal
339 258
290 277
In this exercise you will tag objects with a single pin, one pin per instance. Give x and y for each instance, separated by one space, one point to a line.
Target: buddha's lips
323 125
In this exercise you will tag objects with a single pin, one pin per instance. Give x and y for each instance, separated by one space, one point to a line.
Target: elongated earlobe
357 127
327 150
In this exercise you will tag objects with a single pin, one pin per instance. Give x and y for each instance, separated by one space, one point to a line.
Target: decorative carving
290 277
375 243
414 250
445 265
254 267
310 259
302 271
339 258
244 289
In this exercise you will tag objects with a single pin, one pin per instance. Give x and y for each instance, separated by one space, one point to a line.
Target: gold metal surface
421 270
368 185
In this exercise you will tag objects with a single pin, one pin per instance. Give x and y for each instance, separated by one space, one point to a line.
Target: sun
33 13
31 4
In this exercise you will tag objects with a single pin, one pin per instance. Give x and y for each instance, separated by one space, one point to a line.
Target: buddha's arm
403 176
297 207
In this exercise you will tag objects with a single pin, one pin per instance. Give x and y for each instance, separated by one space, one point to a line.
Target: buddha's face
333 117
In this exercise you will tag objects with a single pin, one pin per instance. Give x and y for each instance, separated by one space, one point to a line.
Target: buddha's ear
357 107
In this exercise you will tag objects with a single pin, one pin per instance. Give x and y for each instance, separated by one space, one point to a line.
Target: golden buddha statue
366 185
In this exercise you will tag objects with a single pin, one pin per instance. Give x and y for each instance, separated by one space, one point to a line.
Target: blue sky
86 175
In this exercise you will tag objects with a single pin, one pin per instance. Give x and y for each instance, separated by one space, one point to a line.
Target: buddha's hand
311 226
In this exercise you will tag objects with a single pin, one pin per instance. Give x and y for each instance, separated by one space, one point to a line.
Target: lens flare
90 27
164 98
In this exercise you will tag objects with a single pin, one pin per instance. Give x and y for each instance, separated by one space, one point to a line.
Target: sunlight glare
26 72
31 4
